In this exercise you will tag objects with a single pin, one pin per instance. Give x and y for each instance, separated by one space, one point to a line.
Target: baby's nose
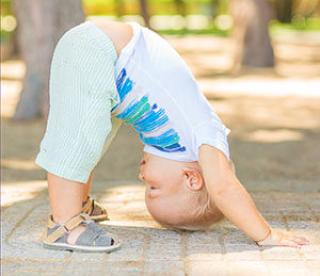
142 162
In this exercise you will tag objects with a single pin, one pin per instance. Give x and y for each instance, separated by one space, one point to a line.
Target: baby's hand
282 238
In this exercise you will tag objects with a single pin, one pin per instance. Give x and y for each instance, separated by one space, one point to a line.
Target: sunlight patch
274 136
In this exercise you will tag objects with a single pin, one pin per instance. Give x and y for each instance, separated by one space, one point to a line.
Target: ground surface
275 146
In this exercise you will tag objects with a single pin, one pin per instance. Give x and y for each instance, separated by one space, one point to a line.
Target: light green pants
82 93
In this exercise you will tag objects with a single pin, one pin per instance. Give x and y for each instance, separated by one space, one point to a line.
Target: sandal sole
80 248
99 218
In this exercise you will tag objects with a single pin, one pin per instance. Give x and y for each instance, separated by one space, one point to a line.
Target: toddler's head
176 195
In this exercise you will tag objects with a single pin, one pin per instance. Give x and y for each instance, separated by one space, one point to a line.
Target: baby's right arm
235 202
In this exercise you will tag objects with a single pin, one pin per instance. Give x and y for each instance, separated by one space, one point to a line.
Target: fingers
290 243
301 240
285 239
294 241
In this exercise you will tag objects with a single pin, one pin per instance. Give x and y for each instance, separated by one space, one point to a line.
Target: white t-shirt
160 98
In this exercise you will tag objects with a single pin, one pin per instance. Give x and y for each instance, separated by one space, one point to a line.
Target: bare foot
74 233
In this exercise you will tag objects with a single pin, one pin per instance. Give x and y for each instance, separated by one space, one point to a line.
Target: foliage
310 24
303 14
5 36
287 11
156 7
208 31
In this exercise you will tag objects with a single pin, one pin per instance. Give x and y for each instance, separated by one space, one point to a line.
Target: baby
104 73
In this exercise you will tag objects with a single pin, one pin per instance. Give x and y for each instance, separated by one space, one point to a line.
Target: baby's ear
193 178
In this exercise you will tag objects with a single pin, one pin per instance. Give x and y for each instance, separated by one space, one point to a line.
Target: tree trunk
181 7
215 6
251 33
40 25
284 10
145 12
120 8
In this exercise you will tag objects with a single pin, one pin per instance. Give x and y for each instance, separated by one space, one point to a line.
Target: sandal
92 239
94 209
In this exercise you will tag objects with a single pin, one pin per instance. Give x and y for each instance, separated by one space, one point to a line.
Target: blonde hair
204 215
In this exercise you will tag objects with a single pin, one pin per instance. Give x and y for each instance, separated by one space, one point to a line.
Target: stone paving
149 249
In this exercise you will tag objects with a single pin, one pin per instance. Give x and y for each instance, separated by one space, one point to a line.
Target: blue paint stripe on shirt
172 148
124 85
146 118
132 108
165 139
151 121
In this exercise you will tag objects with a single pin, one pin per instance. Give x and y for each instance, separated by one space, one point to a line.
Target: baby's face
167 195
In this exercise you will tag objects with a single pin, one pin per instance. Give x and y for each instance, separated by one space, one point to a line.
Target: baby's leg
65 198
82 93
58 191
87 187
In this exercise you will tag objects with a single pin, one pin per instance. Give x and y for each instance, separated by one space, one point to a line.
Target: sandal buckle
66 229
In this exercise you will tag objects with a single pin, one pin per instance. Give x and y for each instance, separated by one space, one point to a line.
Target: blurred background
257 61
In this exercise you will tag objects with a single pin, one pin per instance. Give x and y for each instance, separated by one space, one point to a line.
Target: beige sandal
92 239
94 209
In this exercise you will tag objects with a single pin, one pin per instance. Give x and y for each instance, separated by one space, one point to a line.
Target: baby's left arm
235 202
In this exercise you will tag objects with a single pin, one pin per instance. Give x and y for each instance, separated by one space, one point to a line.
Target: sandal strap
90 205
64 228
90 235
